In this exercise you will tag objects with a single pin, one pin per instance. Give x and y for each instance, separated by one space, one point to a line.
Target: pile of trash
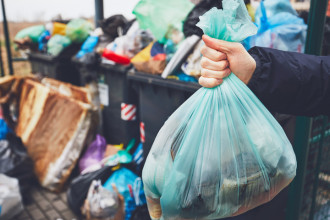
109 185
53 37
56 123
16 172
45 129
163 39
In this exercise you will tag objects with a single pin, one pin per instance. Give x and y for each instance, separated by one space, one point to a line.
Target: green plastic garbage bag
57 43
32 32
78 30
221 153
162 15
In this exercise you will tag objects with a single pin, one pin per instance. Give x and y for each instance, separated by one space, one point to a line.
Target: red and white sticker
142 133
128 112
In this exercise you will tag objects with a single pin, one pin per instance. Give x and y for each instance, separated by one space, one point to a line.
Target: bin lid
159 81
116 67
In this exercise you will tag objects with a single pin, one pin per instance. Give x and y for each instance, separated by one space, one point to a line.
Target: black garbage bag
15 162
110 25
77 192
189 26
140 213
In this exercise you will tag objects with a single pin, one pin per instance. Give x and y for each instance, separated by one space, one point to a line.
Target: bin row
135 104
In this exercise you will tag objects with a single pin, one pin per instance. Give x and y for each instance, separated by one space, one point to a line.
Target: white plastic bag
10 197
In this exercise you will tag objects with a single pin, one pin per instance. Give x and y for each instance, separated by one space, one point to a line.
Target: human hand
120 215
220 58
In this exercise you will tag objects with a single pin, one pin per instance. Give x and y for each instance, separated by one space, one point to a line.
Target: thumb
219 45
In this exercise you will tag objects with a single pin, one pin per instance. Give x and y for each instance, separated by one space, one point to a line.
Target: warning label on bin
104 94
128 112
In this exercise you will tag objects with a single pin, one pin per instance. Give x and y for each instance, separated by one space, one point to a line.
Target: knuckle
203 50
204 62
202 82
223 65
204 72
217 56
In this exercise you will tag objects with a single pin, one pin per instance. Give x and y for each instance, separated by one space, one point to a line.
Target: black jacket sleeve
291 83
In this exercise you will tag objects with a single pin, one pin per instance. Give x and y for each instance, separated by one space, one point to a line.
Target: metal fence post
314 39
99 15
5 30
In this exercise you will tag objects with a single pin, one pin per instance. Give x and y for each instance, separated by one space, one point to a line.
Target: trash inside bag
10 198
57 44
101 203
93 156
78 30
32 32
221 153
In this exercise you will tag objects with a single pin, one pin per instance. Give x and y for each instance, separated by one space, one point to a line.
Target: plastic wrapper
57 44
10 198
78 30
221 153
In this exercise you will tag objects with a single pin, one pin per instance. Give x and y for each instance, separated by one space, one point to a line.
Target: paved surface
45 205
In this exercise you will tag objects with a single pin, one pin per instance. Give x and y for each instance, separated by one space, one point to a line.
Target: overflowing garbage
92 141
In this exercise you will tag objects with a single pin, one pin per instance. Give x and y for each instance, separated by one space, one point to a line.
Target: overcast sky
33 10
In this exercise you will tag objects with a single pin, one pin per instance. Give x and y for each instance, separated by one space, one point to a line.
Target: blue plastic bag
279 27
4 129
43 39
88 46
125 179
221 153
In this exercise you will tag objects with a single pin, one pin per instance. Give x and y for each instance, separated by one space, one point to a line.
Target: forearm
291 83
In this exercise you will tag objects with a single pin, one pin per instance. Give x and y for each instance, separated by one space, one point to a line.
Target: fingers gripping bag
221 153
